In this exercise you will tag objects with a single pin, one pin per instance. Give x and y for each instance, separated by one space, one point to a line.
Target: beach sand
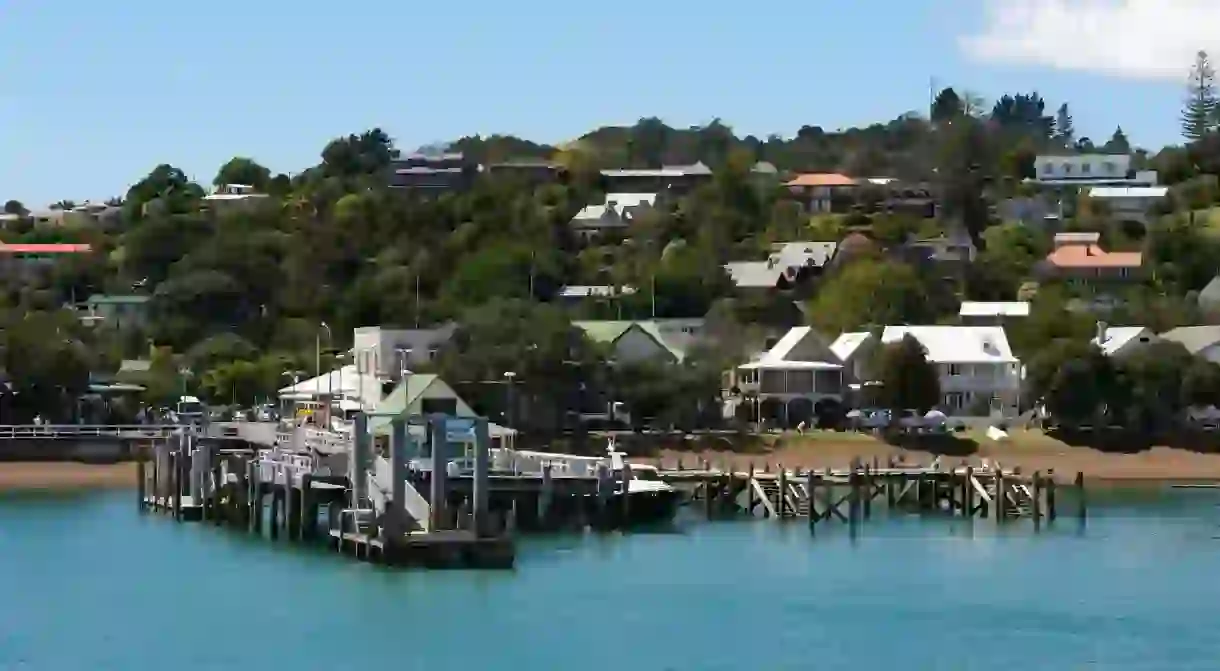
1030 451
52 475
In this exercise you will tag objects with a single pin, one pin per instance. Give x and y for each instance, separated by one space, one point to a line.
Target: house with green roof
116 311
646 340
423 394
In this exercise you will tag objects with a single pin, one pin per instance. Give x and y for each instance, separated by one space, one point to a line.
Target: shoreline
29 476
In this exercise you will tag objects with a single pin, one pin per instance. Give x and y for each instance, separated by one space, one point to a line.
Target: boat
651 501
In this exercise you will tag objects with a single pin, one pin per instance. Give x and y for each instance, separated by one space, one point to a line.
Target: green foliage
870 292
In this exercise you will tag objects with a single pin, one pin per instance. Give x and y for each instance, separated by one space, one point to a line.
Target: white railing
283 468
72 431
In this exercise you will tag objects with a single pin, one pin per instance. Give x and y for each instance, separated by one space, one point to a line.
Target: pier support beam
359 460
482 477
440 472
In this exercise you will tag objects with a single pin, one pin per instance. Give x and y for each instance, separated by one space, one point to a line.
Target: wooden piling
140 475
1080 497
309 515
179 466
968 493
1036 507
868 492
1001 496
273 524
547 495
1051 512
811 488
781 495
749 488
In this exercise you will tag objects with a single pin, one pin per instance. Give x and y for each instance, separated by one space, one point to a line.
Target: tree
870 293
1118 143
1065 130
14 207
947 105
1199 114
908 380
241 170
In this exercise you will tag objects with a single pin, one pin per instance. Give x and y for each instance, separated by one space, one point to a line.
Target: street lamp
509 376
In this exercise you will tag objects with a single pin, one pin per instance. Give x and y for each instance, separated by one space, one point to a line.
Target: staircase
793 501
1018 501
380 485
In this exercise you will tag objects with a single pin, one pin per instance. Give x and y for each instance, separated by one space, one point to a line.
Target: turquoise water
89 584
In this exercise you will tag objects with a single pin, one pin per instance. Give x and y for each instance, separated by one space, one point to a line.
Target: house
433 173
115 311
796 380
344 382
22 261
788 264
614 216
824 192
662 340
420 395
230 197
677 180
1129 203
85 215
1208 299
1089 170
987 313
979 376
950 252
1201 341
855 351
1078 260
385 353
528 172
1120 341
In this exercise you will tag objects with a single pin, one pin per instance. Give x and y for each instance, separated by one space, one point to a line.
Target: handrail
67 431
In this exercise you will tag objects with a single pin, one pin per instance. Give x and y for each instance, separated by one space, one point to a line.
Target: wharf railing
75 431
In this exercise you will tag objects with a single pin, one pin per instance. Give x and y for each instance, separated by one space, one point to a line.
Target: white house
1121 341
613 215
647 340
1201 341
792 381
385 353
1090 170
1129 203
854 350
976 365
991 313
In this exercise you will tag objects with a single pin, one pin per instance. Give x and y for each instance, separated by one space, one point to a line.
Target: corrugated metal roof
994 309
1128 192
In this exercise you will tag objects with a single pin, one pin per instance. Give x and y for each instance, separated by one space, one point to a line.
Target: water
88 584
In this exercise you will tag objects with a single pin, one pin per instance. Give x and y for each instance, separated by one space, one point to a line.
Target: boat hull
643 508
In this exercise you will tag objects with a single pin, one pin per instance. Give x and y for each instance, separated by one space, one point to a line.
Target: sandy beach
1030 451
52 475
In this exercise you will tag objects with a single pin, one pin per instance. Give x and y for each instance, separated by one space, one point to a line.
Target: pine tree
1200 114
1065 133
1118 143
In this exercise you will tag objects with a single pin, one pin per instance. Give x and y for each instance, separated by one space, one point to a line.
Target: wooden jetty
850 495
396 505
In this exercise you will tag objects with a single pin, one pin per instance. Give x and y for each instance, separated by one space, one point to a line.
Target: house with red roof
20 260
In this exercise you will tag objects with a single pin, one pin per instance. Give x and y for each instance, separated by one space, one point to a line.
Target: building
529 172
979 376
437 173
1201 341
386 353
1121 341
822 193
85 215
659 340
798 379
1094 273
23 261
788 264
987 313
230 197
675 180
113 311
595 222
1129 203
1089 170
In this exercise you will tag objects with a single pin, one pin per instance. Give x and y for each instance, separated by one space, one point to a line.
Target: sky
94 94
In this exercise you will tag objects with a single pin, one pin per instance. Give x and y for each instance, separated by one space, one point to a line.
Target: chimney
1101 333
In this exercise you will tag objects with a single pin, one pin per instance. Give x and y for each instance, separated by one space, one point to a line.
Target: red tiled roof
1092 256
822 179
44 248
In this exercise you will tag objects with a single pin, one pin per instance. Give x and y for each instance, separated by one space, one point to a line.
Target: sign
459 429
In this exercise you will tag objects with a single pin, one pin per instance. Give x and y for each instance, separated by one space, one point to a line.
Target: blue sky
94 94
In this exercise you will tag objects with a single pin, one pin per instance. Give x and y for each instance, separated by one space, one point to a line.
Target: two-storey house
797 380
1097 276
676 180
597 222
979 376
433 173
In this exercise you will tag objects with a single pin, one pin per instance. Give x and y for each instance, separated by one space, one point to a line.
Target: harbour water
87 583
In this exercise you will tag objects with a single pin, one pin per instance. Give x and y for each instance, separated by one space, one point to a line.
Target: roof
608 331
956 344
343 381
665 171
587 291
753 274
1117 337
785 255
764 167
1194 338
617 204
1210 294
44 248
1093 256
402 397
801 253
822 179
846 345
994 309
112 299
1128 192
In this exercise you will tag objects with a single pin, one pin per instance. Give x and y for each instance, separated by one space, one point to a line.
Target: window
955 369
1109 167
1067 168
1086 168
955 400
1049 168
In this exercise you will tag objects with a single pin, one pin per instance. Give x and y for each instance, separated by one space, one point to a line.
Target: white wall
1083 166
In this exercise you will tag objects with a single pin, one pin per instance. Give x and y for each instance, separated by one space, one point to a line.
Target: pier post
1001 496
179 466
781 494
218 485
440 472
309 515
868 492
1036 506
1080 497
1050 496
140 475
359 460
604 486
482 477
546 496
749 489
626 499
399 450
968 493
811 487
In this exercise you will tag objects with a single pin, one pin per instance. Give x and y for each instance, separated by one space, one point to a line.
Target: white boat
651 500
